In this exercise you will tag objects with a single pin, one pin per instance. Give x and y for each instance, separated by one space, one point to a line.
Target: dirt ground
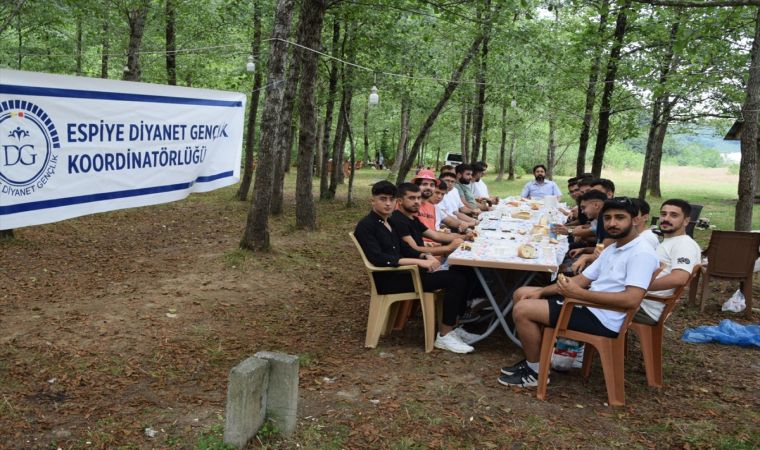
116 322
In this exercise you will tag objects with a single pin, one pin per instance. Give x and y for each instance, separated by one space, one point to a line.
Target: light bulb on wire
126 69
251 66
373 97
513 103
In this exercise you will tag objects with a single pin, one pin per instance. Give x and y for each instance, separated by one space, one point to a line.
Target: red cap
426 175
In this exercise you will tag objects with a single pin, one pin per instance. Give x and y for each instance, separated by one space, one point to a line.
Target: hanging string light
513 103
373 97
251 66
126 69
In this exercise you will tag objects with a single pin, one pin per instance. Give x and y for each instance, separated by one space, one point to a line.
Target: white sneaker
578 362
464 335
453 343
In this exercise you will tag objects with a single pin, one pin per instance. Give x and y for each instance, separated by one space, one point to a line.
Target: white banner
71 146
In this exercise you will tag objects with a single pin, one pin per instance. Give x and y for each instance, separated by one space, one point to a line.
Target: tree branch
706 4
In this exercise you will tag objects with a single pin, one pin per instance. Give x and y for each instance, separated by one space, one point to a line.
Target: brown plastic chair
731 256
651 335
381 307
611 350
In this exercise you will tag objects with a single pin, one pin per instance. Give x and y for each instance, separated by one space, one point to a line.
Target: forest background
576 85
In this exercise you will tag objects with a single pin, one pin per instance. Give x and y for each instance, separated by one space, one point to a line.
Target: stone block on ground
282 394
246 401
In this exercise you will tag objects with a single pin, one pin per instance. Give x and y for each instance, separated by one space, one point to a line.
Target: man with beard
427 182
452 202
464 177
541 187
413 231
620 277
384 247
678 254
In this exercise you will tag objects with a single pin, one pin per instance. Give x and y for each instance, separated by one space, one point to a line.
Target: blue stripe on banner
47 204
118 96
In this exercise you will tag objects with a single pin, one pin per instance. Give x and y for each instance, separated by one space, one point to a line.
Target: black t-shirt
582 217
408 227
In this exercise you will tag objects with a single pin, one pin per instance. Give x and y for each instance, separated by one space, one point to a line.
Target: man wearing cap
427 182
541 187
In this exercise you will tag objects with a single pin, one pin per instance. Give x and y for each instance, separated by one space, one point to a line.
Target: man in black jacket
384 247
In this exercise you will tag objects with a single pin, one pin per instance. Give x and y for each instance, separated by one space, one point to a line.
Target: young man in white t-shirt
678 253
619 277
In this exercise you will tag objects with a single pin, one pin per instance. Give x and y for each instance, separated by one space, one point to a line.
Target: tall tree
105 44
402 141
450 88
366 135
324 189
256 235
480 107
171 43
605 111
588 112
137 15
306 213
253 108
748 166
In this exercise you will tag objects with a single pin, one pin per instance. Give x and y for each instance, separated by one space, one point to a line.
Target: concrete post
246 401
282 394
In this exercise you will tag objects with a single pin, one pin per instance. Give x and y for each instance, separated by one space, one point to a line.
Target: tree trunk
401 153
551 150
366 135
324 191
306 212
609 86
477 126
503 148
79 47
106 46
256 236
647 169
137 17
438 159
654 178
320 137
467 134
484 139
463 130
253 110
171 45
512 157
284 141
588 114
748 166
450 88
352 162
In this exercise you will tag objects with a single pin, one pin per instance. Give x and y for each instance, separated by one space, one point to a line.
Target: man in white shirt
541 187
452 203
678 253
479 188
620 277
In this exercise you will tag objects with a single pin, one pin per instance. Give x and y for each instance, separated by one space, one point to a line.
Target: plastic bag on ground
564 354
727 332
736 303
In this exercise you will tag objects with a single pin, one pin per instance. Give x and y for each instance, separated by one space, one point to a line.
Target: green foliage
733 168
213 440
268 431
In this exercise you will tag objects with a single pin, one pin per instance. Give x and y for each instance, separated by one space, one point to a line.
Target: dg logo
27 140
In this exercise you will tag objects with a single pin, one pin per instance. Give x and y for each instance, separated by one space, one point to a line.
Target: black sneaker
468 318
524 377
509 370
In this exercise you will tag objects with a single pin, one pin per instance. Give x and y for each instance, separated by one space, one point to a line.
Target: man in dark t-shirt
383 247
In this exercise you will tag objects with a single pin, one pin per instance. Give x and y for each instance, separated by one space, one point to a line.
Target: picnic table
497 248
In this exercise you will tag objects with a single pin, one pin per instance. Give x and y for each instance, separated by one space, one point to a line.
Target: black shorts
581 319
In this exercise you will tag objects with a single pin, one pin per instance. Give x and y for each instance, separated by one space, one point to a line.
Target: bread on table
474 233
466 246
553 241
526 251
534 206
524 215
538 229
513 203
523 232
543 221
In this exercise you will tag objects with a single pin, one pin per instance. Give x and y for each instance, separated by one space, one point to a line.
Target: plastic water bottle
552 229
